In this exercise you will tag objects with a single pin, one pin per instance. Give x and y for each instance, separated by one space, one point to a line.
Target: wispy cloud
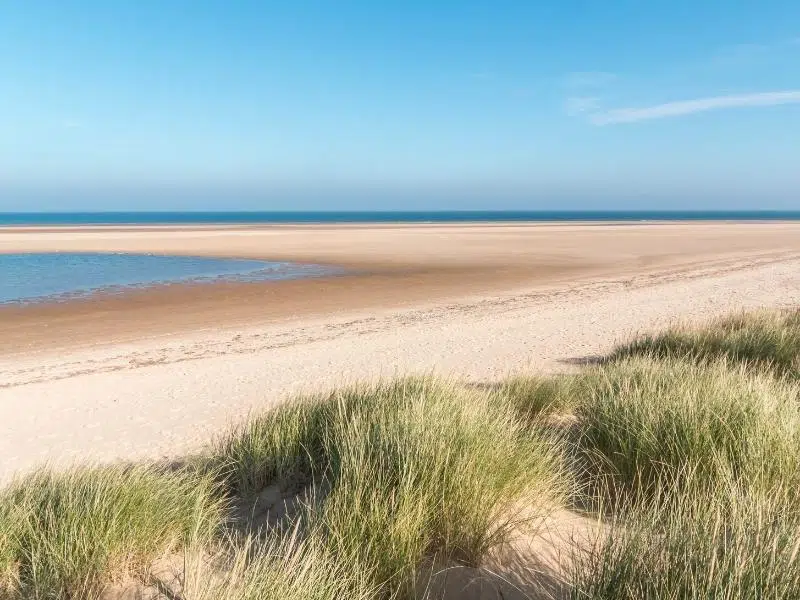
688 107
589 79
71 124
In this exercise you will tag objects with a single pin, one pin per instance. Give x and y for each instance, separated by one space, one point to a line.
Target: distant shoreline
211 218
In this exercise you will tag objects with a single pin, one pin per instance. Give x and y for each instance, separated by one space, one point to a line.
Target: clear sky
419 104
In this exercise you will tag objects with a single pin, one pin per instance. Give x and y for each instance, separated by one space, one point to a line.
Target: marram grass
68 535
693 443
646 423
765 341
284 568
727 541
411 470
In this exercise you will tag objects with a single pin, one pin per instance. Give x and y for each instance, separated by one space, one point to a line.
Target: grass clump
726 542
763 341
648 424
411 470
68 535
284 445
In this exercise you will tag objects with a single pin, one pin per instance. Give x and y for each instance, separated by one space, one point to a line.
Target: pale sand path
167 393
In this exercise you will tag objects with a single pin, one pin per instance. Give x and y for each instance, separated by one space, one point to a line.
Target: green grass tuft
67 535
649 425
763 341
727 542
412 469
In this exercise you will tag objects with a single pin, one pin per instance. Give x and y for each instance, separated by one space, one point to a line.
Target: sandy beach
157 372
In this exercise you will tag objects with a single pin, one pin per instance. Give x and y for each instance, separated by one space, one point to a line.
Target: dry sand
158 372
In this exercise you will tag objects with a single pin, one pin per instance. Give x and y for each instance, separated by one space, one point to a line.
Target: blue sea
155 218
28 278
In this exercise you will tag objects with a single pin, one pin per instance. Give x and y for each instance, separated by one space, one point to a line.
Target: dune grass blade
646 424
411 469
766 340
66 535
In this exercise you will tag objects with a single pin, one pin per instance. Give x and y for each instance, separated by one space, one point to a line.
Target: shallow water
60 276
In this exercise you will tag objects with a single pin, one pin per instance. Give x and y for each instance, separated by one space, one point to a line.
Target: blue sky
391 105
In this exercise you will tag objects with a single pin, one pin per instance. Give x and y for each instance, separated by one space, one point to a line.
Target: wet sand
158 372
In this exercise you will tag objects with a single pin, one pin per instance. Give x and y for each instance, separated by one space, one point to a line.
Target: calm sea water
60 276
151 218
